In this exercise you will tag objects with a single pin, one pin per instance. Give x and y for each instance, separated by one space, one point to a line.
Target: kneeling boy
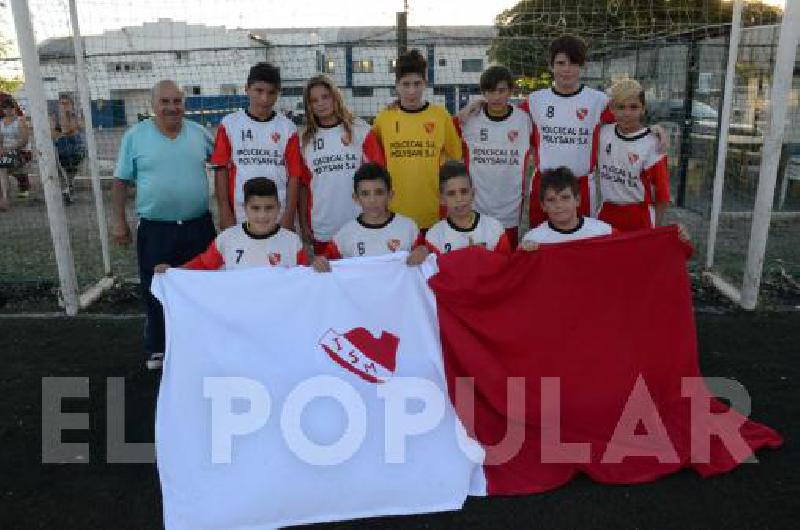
258 242
560 197
463 227
377 230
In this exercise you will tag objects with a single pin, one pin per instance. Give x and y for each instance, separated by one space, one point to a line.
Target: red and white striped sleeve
371 149
209 260
294 157
221 155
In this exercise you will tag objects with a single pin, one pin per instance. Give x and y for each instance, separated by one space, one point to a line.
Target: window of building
363 66
229 90
330 66
442 62
191 90
48 79
392 66
471 65
362 91
296 91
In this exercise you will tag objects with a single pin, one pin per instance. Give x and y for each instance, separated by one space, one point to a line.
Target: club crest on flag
512 135
274 258
372 359
633 158
581 112
276 137
429 126
393 244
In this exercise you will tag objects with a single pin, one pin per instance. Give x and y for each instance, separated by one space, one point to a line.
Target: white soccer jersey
330 162
444 236
587 227
357 238
495 151
251 148
631 169
565 129
237 248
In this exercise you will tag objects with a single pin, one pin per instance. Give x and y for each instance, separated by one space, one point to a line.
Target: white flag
293 397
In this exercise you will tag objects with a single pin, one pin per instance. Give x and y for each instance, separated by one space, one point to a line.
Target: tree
524 31
8 84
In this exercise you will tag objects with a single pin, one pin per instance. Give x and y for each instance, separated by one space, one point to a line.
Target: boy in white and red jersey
257 142
566 119
464 226
377 230
258 242
560 196
496 145
634 177
334 145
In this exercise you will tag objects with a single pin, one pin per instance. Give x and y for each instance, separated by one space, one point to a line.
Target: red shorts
320 247
536 214
512 234
626 217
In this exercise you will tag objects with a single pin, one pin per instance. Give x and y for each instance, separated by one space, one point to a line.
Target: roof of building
62 48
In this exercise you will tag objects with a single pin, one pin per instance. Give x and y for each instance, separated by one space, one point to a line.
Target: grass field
759 350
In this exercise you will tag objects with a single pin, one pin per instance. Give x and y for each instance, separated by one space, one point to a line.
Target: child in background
566 117
257 142
415 136
634 176
258 242
334 145
497 143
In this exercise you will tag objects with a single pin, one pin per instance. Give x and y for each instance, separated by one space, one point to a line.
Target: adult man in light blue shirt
164 158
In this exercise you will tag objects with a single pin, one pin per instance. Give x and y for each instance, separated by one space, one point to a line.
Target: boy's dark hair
493 75
452 169
411 62
558 180
7 102
570 45
264 72
371 171
260 187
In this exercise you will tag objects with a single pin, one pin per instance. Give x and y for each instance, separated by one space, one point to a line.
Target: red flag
602 331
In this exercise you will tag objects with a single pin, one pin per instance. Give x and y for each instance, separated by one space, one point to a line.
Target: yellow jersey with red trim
416 143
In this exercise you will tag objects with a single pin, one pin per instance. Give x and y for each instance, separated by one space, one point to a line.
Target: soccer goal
719 76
